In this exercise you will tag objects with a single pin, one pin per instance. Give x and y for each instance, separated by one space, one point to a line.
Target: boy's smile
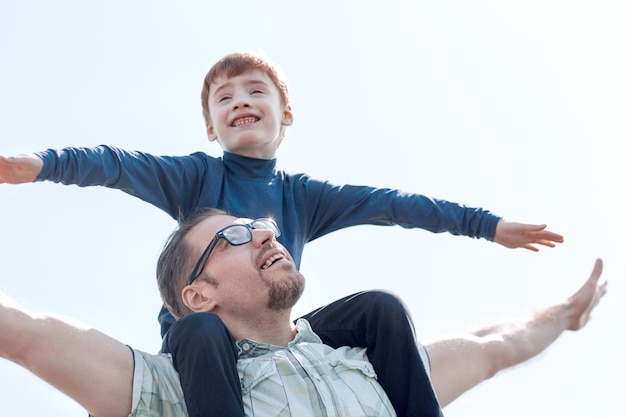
248 116
244 121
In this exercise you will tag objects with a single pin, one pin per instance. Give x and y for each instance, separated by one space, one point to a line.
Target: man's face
248 116
250 277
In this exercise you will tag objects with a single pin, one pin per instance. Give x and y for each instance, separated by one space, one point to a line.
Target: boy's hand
517 235
20 168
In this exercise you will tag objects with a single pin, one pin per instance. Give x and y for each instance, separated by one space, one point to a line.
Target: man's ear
211 132
287 116
198 298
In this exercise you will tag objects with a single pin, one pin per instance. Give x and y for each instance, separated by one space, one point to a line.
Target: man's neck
274 329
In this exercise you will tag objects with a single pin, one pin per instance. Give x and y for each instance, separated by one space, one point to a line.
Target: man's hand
517 235
583 301
20 168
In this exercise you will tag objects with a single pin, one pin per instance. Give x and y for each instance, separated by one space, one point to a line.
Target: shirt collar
249 348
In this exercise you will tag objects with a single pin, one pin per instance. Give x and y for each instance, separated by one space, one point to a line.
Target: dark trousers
205 354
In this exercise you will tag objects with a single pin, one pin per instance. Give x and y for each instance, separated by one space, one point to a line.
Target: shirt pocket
360 388
255 372
351 365
263 392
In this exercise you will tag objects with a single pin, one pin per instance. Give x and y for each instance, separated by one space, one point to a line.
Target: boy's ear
197 297
287 116
211 132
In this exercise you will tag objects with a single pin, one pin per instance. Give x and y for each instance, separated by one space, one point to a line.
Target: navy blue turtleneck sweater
304 208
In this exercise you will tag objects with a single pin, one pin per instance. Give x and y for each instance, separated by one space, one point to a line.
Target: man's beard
284 295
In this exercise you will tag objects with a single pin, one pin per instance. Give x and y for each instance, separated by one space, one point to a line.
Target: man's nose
260 236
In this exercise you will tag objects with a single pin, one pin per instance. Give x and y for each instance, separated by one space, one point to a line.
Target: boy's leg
205 355
460 362
379 321
165 320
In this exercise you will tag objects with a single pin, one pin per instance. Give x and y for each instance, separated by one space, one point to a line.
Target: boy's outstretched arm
175 184
519 235
19 169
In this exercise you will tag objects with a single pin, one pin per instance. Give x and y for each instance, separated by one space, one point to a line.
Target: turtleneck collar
243 166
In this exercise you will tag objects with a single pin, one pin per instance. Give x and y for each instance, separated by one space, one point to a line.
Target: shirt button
316 376
246 346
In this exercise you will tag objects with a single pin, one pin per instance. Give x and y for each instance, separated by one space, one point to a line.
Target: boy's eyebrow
221 87
247 83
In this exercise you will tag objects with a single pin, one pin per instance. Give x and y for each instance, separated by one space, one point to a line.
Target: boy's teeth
244 120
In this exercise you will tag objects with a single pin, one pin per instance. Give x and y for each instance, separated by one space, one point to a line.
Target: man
251 284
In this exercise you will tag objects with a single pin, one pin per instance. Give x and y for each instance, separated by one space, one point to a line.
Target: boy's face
248 116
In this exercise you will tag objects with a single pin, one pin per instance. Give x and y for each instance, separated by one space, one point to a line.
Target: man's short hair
176 261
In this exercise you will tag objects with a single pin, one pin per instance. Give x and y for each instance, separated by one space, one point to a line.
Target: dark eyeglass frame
233 239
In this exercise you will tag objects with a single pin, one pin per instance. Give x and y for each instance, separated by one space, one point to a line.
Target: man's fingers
597 270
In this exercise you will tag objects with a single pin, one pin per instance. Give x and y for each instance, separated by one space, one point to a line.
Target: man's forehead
207 228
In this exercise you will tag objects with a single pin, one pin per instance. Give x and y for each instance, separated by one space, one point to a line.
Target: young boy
246 108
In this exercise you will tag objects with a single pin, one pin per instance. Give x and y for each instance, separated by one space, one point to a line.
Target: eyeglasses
235 235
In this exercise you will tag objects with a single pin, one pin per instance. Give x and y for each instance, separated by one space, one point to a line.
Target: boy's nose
241 103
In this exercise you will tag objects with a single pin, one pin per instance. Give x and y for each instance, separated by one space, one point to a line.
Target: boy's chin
252 147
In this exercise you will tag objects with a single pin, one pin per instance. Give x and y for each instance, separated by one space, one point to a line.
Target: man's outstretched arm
90 367
462 361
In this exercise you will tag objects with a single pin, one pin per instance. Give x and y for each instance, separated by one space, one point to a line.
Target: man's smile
276 256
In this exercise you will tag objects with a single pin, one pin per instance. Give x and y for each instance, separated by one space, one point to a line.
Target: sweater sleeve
336 207
172 184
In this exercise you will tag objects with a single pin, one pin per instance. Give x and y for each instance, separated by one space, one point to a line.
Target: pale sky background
517 107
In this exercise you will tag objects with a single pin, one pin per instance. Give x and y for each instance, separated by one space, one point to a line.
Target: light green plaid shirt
304 379
308 378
